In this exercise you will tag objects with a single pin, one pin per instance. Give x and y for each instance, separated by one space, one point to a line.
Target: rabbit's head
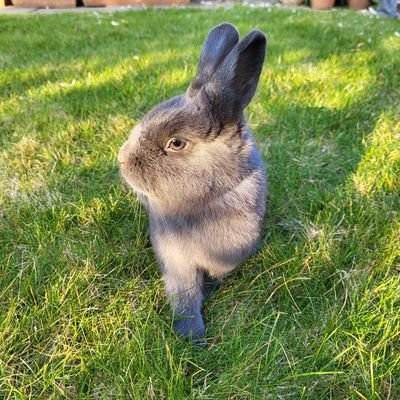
194 146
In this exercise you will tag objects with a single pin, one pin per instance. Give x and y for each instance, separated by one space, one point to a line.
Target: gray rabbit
194 165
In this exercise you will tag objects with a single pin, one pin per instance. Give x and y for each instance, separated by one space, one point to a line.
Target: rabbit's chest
214 245
173 248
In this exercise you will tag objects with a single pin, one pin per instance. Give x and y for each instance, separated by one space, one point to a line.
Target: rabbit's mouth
132 180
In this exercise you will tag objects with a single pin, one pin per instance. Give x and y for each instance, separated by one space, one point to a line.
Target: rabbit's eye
176 144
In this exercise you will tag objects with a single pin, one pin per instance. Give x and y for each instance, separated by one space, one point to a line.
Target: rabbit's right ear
220 41
233 85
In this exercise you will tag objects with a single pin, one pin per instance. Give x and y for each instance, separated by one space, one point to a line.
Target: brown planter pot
322 4
103 3
358 4
44 3
292 3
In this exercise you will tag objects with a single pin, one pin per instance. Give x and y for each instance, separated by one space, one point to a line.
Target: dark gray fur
206 203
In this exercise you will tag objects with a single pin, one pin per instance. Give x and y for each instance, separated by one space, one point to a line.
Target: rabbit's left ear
233 85
220 41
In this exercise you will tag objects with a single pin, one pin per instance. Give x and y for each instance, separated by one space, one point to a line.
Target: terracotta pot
322 4
292 3
103 3
358 4
44 3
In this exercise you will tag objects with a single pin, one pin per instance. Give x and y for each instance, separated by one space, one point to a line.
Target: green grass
83 315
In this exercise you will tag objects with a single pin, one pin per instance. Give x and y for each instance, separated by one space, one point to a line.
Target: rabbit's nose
123 154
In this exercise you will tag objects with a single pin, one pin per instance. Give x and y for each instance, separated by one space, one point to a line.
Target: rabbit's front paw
190 327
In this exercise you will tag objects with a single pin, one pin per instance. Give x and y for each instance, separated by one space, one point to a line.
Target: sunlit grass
379 171
314 315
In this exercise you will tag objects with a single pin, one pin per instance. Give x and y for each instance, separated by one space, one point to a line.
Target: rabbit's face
178 152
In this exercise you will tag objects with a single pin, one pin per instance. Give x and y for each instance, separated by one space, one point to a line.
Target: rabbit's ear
234 83
220 41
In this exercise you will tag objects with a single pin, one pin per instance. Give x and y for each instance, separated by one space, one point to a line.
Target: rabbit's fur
206 201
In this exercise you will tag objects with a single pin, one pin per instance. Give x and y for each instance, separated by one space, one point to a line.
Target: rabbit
195 167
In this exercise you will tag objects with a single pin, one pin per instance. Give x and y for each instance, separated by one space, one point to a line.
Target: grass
315 315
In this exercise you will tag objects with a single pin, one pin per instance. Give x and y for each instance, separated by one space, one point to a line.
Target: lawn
314 315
